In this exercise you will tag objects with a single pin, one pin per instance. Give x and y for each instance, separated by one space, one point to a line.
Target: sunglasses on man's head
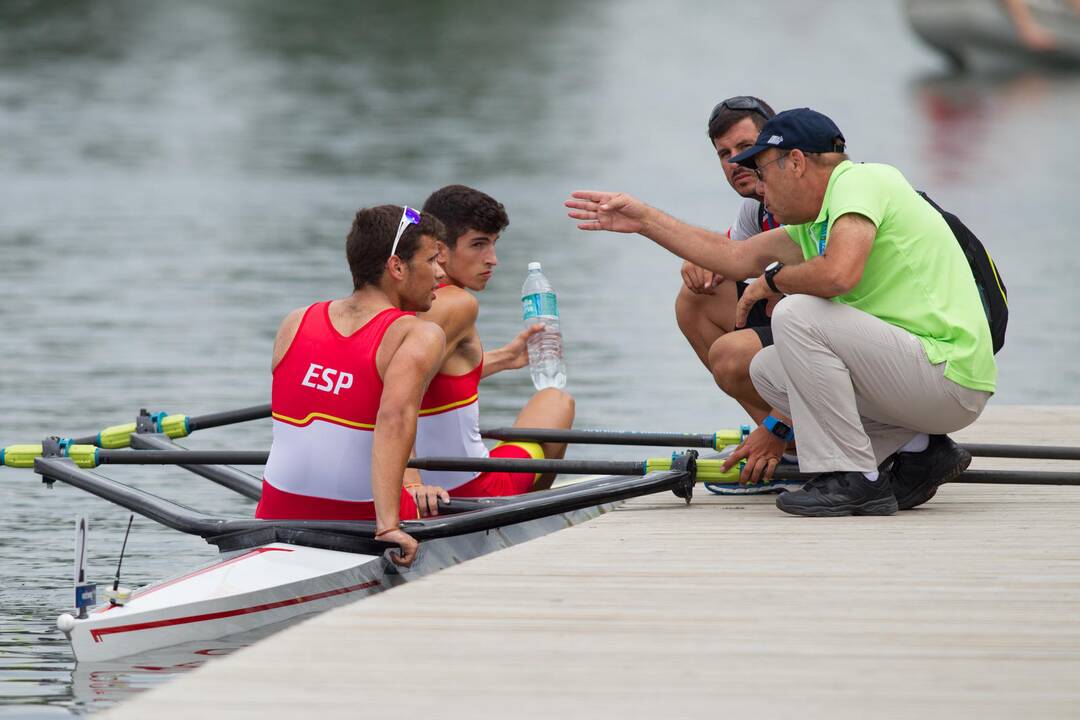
408 217
740 102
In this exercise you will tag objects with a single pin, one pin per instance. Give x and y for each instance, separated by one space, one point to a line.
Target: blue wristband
778 428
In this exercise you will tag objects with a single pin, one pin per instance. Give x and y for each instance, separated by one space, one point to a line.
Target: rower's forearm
391 446
494 361
708 249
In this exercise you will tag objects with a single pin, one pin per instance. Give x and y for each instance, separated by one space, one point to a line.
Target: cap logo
775 140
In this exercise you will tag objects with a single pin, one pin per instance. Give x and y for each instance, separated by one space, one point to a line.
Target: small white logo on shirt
775 140
344 379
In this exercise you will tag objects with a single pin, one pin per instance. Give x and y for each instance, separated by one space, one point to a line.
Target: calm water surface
175 177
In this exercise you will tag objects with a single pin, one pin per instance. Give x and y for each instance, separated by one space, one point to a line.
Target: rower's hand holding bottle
512 355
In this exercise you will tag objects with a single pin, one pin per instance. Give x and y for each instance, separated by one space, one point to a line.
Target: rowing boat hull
247 590
272 584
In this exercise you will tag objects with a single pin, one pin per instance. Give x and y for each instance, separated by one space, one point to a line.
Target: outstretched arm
618 212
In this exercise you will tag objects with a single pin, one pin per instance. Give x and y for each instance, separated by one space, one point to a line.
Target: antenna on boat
85 593
119 595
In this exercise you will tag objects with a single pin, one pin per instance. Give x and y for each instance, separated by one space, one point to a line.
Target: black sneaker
916 476
833 494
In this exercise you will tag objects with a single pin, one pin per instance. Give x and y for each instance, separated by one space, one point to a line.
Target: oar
708 469
722 438
716 440
1027 452
174 426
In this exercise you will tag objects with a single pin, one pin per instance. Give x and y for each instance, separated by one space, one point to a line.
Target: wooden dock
966 608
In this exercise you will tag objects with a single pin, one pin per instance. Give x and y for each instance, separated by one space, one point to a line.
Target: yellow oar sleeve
119 436
22 456
708 470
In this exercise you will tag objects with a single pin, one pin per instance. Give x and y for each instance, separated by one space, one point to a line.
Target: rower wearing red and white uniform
449 422
326 394
348 376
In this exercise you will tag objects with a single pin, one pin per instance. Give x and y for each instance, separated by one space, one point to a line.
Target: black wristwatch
770 272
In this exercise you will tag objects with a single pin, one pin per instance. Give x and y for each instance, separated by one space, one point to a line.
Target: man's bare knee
559 404
730 363
687 309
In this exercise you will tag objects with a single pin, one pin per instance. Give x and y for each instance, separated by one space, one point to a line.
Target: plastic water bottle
540 305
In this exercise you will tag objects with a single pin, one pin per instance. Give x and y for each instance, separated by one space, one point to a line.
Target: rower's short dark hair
723 117
461 208
367 247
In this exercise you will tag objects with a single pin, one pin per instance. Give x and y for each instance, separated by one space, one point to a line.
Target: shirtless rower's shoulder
455 310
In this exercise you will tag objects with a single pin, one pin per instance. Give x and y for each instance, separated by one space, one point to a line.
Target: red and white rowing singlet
449 425
325 398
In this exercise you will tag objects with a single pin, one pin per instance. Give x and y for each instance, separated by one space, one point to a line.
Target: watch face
772 265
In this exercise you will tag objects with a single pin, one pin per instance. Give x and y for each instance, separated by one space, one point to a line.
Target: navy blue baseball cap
802 128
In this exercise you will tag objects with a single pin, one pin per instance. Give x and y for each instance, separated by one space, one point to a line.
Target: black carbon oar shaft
1027 452
258 457
1018 477
601 437
585 436
988 477
229 417
182 457
526 465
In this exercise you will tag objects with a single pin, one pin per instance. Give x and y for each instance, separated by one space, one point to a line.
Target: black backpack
991 287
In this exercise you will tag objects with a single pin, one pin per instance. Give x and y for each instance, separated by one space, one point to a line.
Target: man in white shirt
705 306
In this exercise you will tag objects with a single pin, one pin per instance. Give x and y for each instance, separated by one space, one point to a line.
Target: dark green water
175 177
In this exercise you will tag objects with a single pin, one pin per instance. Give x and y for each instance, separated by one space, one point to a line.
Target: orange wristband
387 530
412 485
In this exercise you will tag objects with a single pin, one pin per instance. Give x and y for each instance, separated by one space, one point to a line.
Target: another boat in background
968 31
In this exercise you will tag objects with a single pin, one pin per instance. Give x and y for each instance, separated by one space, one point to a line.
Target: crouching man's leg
858 390
548 408
729 360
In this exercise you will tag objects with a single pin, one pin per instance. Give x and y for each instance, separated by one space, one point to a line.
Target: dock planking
967 607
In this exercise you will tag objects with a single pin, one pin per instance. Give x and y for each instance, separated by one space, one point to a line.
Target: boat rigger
273 571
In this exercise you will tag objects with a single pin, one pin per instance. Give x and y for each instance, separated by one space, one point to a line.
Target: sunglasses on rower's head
408 217
739 102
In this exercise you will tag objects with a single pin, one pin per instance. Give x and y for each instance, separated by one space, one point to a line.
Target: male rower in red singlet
449 422
348 378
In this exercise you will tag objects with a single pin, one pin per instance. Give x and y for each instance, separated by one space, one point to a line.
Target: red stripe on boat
97 634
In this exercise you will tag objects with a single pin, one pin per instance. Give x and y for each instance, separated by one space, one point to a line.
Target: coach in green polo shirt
881 345
915 276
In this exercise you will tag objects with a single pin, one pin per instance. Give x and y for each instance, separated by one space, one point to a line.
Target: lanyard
821 238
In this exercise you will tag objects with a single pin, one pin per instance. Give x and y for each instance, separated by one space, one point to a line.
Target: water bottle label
540 304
